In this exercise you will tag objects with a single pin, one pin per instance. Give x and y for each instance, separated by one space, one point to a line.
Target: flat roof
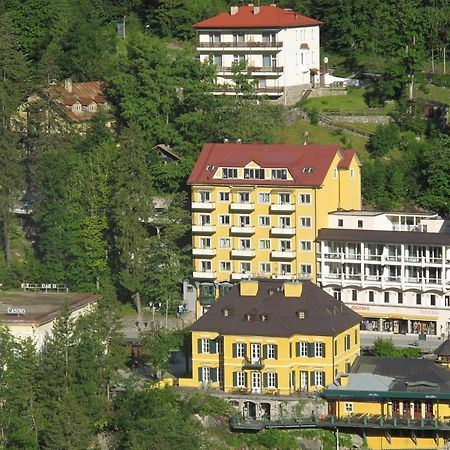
18 307
360 212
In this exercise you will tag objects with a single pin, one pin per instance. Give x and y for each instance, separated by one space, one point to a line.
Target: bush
276 439
386 138
207 405
314 117
387 349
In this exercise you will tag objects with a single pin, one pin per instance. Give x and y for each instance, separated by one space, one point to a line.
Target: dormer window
279 174
254 174
308 169
228 172
249 317
264 317
209 167
300 314
226 312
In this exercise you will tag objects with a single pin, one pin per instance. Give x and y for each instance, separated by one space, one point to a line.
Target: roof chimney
248 288
293 289
256 9
225 141
343 380
238 141
68 84
234 10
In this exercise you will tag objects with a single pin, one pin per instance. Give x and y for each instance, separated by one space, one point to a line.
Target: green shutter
213 373
265 351
276 380
276 351
323 349
199 343
245 379
293 378
212 346
245 352
200 377
324 380
312 378
290 349
297 349
234 350
265 380
234 378
311 350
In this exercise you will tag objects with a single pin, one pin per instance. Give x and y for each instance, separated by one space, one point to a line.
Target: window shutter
265 380
234 377
276 351
323 379
290 349
212 346
200 374
199 343
245 354
293 378
297 349
234 350
311 350
323 349
276 380
312 378
213 374
245 379
265 351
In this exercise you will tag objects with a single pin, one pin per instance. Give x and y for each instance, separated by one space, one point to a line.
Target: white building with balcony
280 49
392 268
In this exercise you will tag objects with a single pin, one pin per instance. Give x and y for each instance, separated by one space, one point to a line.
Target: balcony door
256 382
255 352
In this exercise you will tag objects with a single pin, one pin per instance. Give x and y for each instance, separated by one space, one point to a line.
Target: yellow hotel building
395 403
273 336
257 209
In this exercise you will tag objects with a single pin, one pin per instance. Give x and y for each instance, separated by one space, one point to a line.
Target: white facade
393 269
276 58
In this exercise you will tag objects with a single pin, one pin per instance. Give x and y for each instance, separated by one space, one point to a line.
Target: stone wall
326 92
379 120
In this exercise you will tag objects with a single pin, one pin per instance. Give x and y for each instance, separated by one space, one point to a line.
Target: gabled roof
323 314
443 349
269 16
292 157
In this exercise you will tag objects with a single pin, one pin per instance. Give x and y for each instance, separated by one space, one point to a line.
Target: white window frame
265 267
205 242
303 347
264 221
205 220
305 246
205 345
245 244
246 264
304 199
225 266
264 197
285 221
263 244
305 269
318 378
348 407
244 220
318 349
285 269
271 353
224 196
225 243
271 379
205 265
240 350
204 196
206 374
305 222
224 220
240 379
243 197
284 198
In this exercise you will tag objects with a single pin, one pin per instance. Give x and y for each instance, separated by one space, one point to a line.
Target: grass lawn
361 126
353 101
293 134
440 94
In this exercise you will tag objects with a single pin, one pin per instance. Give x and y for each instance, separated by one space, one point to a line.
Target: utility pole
444 60
337 438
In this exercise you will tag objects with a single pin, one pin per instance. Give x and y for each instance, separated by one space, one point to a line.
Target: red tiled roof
345 162
268 16
292 157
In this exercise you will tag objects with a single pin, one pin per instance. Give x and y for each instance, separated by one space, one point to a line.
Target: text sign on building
15 311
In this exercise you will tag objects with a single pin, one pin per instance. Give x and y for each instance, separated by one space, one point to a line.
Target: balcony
203 229
283 276
206 300
221 89
243 230
252 364
204 252
372 258
413 259
254 45
376 278
242 207
336 255
282 231
243 253
282 207
332 276
204 275
392 258
261 70
241 276
283 254
352 257
203 206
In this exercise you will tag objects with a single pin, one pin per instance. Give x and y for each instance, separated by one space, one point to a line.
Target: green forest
92 193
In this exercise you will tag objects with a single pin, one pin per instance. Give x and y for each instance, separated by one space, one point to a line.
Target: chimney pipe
234 10
256 9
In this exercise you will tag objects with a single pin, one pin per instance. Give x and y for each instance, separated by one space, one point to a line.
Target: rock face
310 444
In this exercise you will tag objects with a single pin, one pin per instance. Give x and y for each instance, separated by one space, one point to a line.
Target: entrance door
256 382
255 353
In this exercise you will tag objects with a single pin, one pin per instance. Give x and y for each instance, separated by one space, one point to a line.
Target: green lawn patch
431 92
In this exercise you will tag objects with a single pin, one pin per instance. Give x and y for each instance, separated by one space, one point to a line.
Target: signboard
15 311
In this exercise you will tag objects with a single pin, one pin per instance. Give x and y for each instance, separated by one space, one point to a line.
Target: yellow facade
284 365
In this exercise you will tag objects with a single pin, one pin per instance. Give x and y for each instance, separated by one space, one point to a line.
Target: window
360 223
356 337
347 342
238 58
224 196
352 173
279 174
271 351
302 349
305 222
284 199
217 60
354 295
264 197
214 37
285 269
240 350
285 221
348 407
264 244
337 294
400 297
371 296
205 243
245 267
340 222
264 221
206 374
285 245
305 199
335 348
224 220
243 197
238 37
335 173
318 378
205 196
305 246
447 300
205 345
386 297
308 169
240 379
224 242
432 300
254 174
205 219
225 266
244 244
265 267
305 269
244 221
272 380
319 349
228 172
206 266
418 299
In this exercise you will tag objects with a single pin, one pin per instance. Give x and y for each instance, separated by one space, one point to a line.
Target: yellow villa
273 337
394 403
257 209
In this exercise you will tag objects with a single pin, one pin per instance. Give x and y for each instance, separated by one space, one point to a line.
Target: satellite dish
325 60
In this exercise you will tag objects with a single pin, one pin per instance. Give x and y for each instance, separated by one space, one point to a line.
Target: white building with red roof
280 48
